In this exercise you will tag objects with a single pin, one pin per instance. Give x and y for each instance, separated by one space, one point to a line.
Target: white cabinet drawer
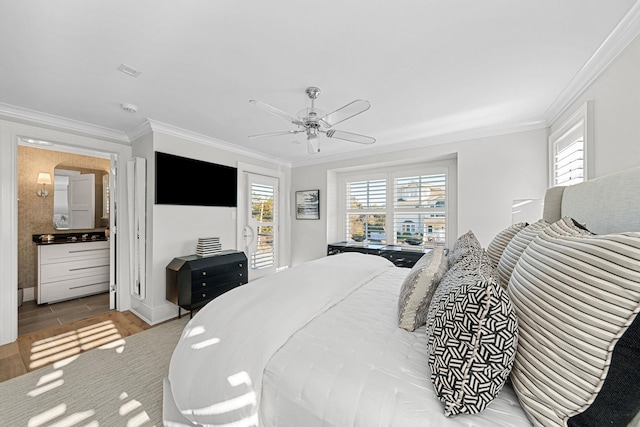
73 270
76 288
73 252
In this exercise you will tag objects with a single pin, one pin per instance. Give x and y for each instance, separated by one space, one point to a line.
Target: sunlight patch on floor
69 344
46 417
128 407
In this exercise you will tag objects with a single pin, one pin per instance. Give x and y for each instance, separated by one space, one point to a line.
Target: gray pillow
464 245
418 288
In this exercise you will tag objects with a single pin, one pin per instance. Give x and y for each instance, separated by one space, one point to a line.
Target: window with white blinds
419 216
366 202
398 208
568 150
263 213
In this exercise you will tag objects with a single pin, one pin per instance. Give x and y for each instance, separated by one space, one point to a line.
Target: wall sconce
44 178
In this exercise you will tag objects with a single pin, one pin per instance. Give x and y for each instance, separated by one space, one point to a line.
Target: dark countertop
58 238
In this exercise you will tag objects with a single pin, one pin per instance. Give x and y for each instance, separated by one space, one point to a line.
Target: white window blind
262 211
366 202
568 150
401 208
419 216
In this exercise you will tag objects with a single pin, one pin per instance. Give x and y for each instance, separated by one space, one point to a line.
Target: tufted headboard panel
608 204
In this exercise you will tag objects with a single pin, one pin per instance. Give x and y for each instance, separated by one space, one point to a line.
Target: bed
465 338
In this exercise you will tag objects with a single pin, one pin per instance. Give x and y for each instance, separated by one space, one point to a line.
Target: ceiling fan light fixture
313 144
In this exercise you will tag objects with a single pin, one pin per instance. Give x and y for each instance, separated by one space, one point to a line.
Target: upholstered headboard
608 204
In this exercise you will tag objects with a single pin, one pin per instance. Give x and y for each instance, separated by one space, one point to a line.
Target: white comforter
316 345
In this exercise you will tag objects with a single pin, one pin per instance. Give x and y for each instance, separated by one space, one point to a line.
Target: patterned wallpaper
35 214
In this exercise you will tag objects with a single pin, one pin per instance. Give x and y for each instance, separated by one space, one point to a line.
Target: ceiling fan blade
275 111
346 112
351 137
265 135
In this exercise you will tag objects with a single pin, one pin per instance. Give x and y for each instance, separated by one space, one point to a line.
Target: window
397 207
419 209
263 213
366 210
568 149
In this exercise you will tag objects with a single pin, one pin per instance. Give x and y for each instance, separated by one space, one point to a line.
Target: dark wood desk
401 256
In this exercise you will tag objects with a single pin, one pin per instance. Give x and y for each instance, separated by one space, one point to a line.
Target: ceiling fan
315 122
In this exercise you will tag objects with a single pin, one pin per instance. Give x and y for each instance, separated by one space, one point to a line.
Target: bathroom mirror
78 199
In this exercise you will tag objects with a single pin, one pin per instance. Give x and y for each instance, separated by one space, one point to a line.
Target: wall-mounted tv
185 181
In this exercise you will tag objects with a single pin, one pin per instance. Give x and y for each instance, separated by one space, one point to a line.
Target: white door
110 211
81 196
260 230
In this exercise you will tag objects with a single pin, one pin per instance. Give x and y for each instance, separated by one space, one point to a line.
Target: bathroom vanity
71 266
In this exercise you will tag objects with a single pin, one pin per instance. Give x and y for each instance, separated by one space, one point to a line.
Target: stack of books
208 246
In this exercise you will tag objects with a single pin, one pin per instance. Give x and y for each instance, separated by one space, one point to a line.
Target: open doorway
54 289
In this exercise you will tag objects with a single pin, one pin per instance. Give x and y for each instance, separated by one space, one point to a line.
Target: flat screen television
185 181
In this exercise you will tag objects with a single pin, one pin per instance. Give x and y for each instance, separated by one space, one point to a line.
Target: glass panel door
260 230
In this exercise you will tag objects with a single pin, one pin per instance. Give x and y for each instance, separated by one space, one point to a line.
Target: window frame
579 123
390 174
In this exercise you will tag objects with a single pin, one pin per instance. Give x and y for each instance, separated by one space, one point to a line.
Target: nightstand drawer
207 294
218 270
212 280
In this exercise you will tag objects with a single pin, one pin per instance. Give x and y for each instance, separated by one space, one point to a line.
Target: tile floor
33 317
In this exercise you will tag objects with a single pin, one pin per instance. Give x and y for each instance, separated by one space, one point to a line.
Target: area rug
116 384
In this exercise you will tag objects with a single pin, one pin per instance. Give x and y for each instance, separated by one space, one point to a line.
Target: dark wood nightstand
193 281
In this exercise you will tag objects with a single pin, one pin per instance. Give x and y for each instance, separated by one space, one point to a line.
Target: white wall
615 97
173 231
491 173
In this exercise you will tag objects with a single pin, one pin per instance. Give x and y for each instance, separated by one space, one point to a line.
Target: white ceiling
432 70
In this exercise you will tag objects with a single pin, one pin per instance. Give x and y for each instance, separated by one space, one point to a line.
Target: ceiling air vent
129 70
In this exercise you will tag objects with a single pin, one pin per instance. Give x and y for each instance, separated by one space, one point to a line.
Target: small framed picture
308 204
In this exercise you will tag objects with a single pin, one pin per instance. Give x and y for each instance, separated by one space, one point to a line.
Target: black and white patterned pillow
449 281
464 245
472 336
418 288
577 299
501 240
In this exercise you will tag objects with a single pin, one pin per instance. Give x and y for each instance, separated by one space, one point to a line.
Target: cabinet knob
204 273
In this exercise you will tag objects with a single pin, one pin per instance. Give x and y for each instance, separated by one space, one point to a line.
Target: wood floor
51 341
33 317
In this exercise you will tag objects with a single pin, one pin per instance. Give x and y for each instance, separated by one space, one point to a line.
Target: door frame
284 223
10 133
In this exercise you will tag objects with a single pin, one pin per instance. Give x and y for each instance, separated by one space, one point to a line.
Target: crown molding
155 126
444 138
627 30
13 112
